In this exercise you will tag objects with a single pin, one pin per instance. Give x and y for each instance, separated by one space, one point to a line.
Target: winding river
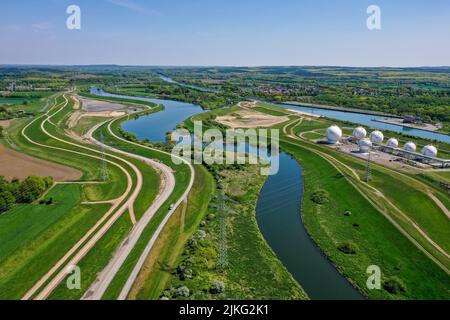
278 208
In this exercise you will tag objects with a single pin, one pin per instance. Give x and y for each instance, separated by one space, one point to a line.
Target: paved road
104 279
137 268
104 225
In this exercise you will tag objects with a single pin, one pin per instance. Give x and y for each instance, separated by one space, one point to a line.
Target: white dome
410 146
392 143
377 137
365 145
359 133
334 134
430 151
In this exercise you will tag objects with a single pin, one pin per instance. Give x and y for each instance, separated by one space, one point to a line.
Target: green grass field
170 244
252 270
35 236
379 243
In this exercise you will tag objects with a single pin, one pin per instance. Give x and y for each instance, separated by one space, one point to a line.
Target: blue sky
226 32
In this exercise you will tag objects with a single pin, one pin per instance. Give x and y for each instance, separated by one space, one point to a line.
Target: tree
7 200
217 287
30 189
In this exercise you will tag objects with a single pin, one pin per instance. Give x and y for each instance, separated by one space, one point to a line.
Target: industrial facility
375 142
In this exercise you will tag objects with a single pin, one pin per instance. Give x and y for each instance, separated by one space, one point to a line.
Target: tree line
22 192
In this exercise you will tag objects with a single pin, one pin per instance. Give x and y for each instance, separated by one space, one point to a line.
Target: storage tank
359 133
392 143
334 134
377 137
410 147
365 145
430 151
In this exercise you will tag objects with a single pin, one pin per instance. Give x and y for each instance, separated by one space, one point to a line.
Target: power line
105 173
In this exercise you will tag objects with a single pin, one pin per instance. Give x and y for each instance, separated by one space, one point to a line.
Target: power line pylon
368 167
105 173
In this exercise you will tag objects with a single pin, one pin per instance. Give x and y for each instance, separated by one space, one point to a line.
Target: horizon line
216 66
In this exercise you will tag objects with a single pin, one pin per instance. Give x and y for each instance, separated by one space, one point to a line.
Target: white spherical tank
334 134
365 145
392 143
430 151
359 133
410 147
377 137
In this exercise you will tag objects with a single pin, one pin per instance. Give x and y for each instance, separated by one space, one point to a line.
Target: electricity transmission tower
368 166
222 250
105 174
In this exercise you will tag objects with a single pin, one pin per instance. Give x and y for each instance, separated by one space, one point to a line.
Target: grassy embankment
377 239
165 256
52 234
182 175
111 189
243 278
247 267
101 253
417 204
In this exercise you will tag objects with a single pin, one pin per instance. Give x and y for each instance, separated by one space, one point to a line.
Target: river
278 210
357 118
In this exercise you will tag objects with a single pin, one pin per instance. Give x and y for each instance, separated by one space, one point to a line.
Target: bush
186 274
200 235
30 189
217 287
7 200
394 285
320 197
182 292
348 248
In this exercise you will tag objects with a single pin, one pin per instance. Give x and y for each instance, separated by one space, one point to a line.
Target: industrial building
428 155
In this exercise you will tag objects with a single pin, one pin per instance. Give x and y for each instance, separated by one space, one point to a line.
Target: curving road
89 236
104 279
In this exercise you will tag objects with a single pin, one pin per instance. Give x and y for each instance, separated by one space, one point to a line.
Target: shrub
7 200
217 287
30 189
348 248
48 182
186 274
182 292
320 197
394 285
200 235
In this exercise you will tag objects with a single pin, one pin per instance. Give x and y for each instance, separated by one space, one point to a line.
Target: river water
278 210
357 118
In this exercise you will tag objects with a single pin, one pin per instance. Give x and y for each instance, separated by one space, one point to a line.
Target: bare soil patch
17 165
5 123
89 105
250 119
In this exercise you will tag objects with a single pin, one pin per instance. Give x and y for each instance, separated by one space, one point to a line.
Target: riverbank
351 110
227 257
399 122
